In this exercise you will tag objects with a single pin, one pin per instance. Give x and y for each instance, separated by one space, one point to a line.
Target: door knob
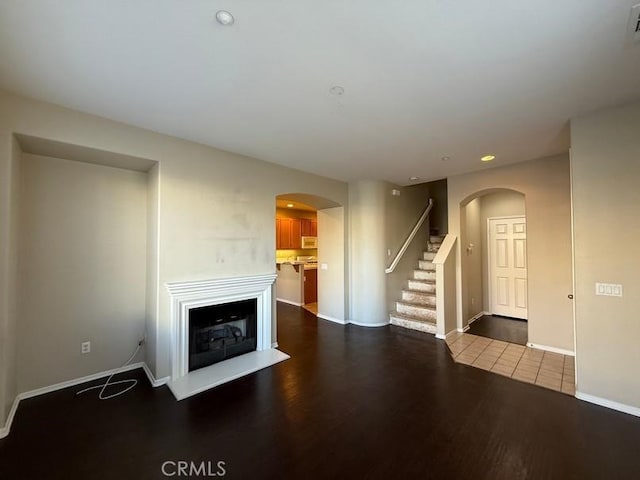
570 296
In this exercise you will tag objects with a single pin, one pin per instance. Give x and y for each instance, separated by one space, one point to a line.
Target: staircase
416 309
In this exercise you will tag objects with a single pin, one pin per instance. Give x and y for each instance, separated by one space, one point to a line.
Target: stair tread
426 269
418 305
423 280
402 316
419 292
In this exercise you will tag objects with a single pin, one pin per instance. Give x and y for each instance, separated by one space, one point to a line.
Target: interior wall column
367 246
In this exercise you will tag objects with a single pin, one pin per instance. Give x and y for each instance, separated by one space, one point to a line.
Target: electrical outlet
85 347
473 301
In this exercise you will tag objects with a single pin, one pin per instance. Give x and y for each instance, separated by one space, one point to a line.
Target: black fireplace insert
220 332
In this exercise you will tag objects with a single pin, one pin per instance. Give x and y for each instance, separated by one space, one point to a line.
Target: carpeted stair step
413 323
429 256
424 274
425 312
422 298
426 265
433 247
428 286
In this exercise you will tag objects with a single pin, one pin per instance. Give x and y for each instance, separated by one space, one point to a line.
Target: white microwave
309 242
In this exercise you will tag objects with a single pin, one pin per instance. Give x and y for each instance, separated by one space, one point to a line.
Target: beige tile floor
546 369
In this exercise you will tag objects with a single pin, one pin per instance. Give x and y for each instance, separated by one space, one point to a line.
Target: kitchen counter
290 284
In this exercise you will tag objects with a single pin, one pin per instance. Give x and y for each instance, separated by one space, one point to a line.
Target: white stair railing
412 234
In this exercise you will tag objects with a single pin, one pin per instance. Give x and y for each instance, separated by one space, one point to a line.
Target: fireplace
220 332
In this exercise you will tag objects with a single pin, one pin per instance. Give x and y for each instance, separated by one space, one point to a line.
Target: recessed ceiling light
290 205
224 18
488 158
413 179
336 90
445 158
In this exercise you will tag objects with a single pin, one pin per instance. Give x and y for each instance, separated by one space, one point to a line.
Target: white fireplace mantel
195 294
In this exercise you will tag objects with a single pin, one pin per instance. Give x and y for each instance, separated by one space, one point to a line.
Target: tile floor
546 369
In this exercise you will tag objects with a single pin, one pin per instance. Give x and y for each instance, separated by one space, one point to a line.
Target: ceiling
282 203
422 79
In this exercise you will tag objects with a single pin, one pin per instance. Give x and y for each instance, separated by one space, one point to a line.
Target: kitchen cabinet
288 233
309 227
311 286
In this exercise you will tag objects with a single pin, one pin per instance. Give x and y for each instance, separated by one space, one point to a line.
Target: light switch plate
609 289
324 266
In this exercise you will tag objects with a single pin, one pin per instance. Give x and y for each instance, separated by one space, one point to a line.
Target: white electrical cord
104 386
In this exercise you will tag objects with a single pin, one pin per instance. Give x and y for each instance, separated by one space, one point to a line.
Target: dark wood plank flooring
500 328
352 402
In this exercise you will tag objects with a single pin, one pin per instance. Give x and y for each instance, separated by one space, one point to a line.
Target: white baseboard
152 379
603 402
331 319
4 431
274 345
78 381
296 304
360 324
546 348
462 330
477 316
447 335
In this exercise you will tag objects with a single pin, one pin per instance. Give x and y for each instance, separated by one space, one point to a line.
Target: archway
301 217
494 286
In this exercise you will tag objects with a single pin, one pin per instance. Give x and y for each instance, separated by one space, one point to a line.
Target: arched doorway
493 240
310 254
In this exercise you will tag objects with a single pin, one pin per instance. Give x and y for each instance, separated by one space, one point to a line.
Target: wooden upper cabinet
309 227
288 233
282 235
296 233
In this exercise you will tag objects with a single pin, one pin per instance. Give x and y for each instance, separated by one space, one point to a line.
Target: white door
508 266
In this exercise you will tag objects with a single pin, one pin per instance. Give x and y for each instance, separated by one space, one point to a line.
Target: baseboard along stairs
416 309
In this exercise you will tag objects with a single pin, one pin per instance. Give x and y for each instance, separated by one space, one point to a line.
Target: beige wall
471 259
9 217
332 292
82 269
605 155
545 184
401 214
153 249
367 205
216 209
438 219
499 204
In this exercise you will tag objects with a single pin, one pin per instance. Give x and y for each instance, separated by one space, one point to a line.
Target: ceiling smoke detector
336 90
224 18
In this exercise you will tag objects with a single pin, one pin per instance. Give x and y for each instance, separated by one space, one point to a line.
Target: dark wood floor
500 328
351 402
